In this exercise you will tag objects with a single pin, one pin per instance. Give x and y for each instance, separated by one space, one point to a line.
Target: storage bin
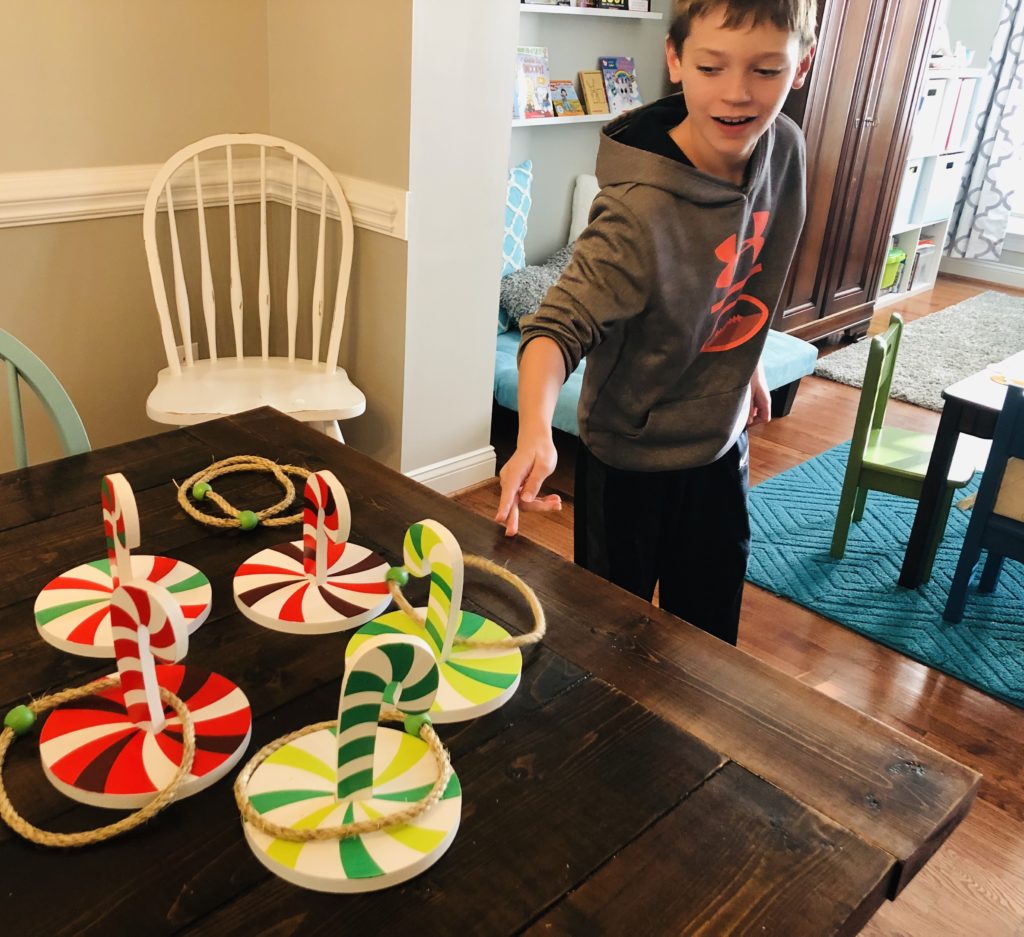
927 120
963 108
908 192
893 261
938 188
919 273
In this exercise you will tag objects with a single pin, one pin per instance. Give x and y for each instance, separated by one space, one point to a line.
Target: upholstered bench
786 360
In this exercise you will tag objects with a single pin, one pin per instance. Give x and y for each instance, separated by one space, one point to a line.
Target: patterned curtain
978 225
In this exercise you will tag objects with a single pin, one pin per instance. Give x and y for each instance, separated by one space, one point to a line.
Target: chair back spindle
236 275
206 271
264 277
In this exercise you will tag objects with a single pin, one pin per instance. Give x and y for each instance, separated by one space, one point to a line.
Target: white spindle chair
311 388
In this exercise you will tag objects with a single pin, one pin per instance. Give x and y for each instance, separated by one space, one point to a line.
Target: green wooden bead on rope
200 489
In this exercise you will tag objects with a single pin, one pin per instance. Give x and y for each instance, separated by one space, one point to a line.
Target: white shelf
561 121
890 299
587 11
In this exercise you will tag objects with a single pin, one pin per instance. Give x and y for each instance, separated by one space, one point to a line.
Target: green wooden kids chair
997 521
885 458
22 364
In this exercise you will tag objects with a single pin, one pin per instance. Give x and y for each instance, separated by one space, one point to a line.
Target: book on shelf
592 89
620 83
564 99
532 97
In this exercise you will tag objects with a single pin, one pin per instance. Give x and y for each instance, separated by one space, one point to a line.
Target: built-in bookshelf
561 121
588 11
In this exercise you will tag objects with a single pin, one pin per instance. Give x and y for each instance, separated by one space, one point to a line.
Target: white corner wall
458 153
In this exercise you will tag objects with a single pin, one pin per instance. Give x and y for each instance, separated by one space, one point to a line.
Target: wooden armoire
856 111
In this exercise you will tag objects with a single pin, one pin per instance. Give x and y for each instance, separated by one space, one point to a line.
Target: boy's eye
768 72
708 69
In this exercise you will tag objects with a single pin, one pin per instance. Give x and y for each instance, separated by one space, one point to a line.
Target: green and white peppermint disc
357 771
296 786
473 681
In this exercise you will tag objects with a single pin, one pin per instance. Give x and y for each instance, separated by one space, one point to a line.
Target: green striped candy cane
473 680
431 550
380 664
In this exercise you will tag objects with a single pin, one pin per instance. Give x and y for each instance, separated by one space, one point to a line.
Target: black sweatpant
686 530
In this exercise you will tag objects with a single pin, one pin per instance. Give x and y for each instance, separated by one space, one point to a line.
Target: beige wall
339 82
110 82
124 82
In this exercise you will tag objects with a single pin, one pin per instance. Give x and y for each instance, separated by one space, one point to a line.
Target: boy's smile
735 82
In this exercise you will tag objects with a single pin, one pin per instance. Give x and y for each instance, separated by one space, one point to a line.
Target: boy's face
735 82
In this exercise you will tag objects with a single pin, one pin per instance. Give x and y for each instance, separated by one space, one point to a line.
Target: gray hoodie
670 293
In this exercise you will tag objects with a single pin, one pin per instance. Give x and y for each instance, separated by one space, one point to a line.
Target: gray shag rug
940 349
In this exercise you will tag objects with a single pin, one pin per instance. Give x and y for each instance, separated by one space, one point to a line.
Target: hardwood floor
974 885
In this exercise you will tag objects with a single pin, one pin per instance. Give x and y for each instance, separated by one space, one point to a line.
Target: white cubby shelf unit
931 178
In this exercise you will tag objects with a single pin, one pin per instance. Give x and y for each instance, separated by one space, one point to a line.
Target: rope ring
345 830
87 837
478 562
198 486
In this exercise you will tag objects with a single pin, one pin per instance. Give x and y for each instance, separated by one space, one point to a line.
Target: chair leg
957 599
328 428
940 530
990 573
858 508
843 517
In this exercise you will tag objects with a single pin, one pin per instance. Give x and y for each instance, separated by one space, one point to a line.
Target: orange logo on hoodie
738 316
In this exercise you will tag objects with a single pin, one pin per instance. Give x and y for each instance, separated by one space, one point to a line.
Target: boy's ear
803 68
675 68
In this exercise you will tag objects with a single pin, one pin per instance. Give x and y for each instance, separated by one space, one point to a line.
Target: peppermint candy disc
296 786
73 610
94 753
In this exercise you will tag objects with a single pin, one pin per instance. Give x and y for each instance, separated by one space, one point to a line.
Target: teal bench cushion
786 359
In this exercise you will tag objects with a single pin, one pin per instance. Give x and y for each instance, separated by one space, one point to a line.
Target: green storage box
893 261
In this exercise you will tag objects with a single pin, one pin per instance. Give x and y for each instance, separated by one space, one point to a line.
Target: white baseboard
458 472
987 270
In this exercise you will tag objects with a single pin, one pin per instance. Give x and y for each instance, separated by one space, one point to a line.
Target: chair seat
210 389
905 453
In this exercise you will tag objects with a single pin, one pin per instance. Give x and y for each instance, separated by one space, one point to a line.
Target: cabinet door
834 95
882 126
857 119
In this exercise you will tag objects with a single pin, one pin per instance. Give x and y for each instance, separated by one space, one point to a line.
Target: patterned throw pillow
517 208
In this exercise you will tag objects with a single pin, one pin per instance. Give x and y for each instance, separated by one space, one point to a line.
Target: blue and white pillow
517 209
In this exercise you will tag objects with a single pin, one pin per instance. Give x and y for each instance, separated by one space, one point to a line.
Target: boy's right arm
541 376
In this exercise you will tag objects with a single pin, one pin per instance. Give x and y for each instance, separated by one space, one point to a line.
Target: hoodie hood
622 157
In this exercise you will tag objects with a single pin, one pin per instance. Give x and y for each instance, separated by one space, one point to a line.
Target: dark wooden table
971 406
645 778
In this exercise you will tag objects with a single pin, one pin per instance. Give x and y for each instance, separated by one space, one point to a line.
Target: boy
669 295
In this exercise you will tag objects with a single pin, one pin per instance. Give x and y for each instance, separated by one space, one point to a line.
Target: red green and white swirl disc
274 590
473 681
296 787
92 752
73 611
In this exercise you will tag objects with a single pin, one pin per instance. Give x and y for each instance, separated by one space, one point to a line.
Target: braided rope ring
251 816
473 561
233 517
87 837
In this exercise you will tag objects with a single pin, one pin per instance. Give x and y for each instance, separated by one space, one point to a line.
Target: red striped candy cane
120 526
146 623
326 523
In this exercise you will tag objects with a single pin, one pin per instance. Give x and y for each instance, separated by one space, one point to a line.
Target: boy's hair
794 16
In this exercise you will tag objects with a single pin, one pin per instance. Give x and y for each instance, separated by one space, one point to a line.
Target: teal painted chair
997 520
885 458
23 367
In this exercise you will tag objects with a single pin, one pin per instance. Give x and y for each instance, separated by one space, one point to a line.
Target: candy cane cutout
318 585
146 625
117 748
473 681
73 610
391 658
326 522
359 772
120 526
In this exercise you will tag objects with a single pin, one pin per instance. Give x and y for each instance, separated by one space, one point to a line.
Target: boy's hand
760 398
521 478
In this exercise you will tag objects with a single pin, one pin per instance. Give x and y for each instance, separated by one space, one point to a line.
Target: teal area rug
792 516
